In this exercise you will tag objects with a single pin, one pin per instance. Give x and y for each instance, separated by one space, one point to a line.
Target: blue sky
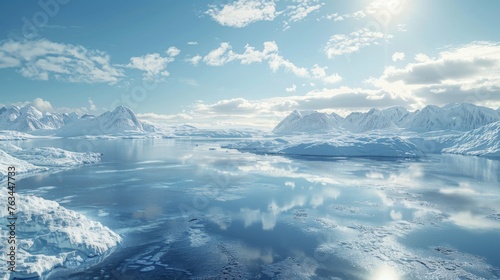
247 62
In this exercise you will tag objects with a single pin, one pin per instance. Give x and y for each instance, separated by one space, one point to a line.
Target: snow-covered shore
47 234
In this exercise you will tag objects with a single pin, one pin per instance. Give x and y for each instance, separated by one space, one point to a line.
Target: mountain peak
30 110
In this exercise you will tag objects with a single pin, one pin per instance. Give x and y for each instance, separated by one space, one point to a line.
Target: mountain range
458 117
29 119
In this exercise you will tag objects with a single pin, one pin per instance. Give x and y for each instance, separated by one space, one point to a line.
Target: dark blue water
187 211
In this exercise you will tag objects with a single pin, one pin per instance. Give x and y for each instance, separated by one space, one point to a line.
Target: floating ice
54 236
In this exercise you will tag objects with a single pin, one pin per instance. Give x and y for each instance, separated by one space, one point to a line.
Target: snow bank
22 166
56 157
50 236
11 135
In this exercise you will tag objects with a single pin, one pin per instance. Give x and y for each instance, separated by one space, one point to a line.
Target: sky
247 62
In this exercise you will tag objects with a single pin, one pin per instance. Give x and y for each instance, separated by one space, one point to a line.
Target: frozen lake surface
192 210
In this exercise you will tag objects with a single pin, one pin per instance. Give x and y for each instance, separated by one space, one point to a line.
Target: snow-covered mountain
28 119
122 120
459 117
483 141
307 121
397 114
371 120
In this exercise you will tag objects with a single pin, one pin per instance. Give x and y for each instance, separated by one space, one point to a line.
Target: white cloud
332 16
219 56
153 65
243 12
270 53
397 56
173 51
192 43
45 60
341 44
7 61
300 10
160 118
195 59
320 74
92 106
468 73
356 15
42 105
293 88
277 61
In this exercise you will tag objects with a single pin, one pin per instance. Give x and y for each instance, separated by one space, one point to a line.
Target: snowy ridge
483 141
10 135
371 120
120 121
460 117
28 119
307 121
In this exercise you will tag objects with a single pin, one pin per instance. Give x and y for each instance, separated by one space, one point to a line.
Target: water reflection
273 216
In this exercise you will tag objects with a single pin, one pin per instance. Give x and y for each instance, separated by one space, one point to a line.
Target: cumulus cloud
92 106
270 53
219 56
243 12
41 105
341 44
195 59
320 74
293 88
277 61
192 43
468 73
153 65
45 106
173 51
356 15
397 56
300 10
45 60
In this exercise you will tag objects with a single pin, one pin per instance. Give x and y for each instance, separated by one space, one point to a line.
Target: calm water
188 211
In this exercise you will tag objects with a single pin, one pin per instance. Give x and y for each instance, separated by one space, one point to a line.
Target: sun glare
385 272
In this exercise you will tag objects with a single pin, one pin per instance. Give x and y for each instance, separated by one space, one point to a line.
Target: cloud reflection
474 222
